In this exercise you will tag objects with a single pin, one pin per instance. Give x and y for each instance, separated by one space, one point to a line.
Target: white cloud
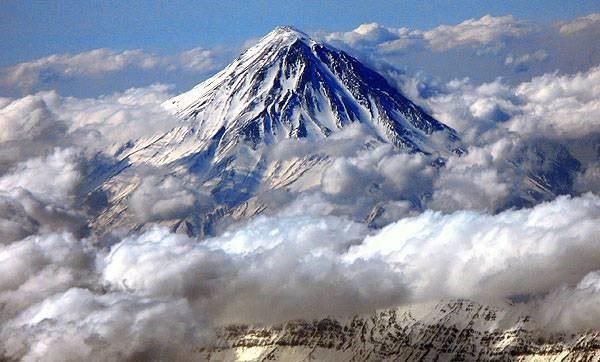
580 24
553 106
101 62
589 180
469 254
164 198
27 128
95 62
81 325
103 298
570 308
271 270
37 267
201 60
33 175
25 119
487 30
15 223
35 124
376 35
474 47
113 119
523 62
560 105
160 293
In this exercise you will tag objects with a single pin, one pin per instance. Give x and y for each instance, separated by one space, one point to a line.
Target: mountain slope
456 330
290 86
286 87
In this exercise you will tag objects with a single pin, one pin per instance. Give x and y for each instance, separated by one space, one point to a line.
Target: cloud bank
161 292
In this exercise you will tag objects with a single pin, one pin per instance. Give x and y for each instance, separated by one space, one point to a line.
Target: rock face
458 330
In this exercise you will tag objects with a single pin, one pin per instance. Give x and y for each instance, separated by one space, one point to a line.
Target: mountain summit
291 86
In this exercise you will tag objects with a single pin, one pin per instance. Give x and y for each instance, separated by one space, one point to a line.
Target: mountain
286 87
290 86
454 330
286 92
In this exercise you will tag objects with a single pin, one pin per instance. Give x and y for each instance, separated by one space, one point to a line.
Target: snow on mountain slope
290 86
455 330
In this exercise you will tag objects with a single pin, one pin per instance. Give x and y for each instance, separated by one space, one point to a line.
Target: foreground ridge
460 330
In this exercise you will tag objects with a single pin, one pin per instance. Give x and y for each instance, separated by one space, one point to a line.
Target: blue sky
34 29
90 48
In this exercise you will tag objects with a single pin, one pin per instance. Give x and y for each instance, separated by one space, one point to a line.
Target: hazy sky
33 29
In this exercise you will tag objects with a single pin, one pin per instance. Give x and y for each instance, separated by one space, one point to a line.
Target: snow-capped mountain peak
291 86
287 86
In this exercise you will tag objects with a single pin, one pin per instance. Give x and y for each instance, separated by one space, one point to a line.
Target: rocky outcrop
458 330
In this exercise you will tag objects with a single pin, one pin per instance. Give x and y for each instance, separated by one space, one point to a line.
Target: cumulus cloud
26 118
537 125
543 131
522 63
471 225
15 223
164 198
97 63
560 105
35 124
79 324
39 266
113 119
381 174
570 308
488 30
474 47
555 106
589 180
527 251
28 128
370 35
201 60
581 24
49 144
94 62
270 270
61 167
162 292
32 204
